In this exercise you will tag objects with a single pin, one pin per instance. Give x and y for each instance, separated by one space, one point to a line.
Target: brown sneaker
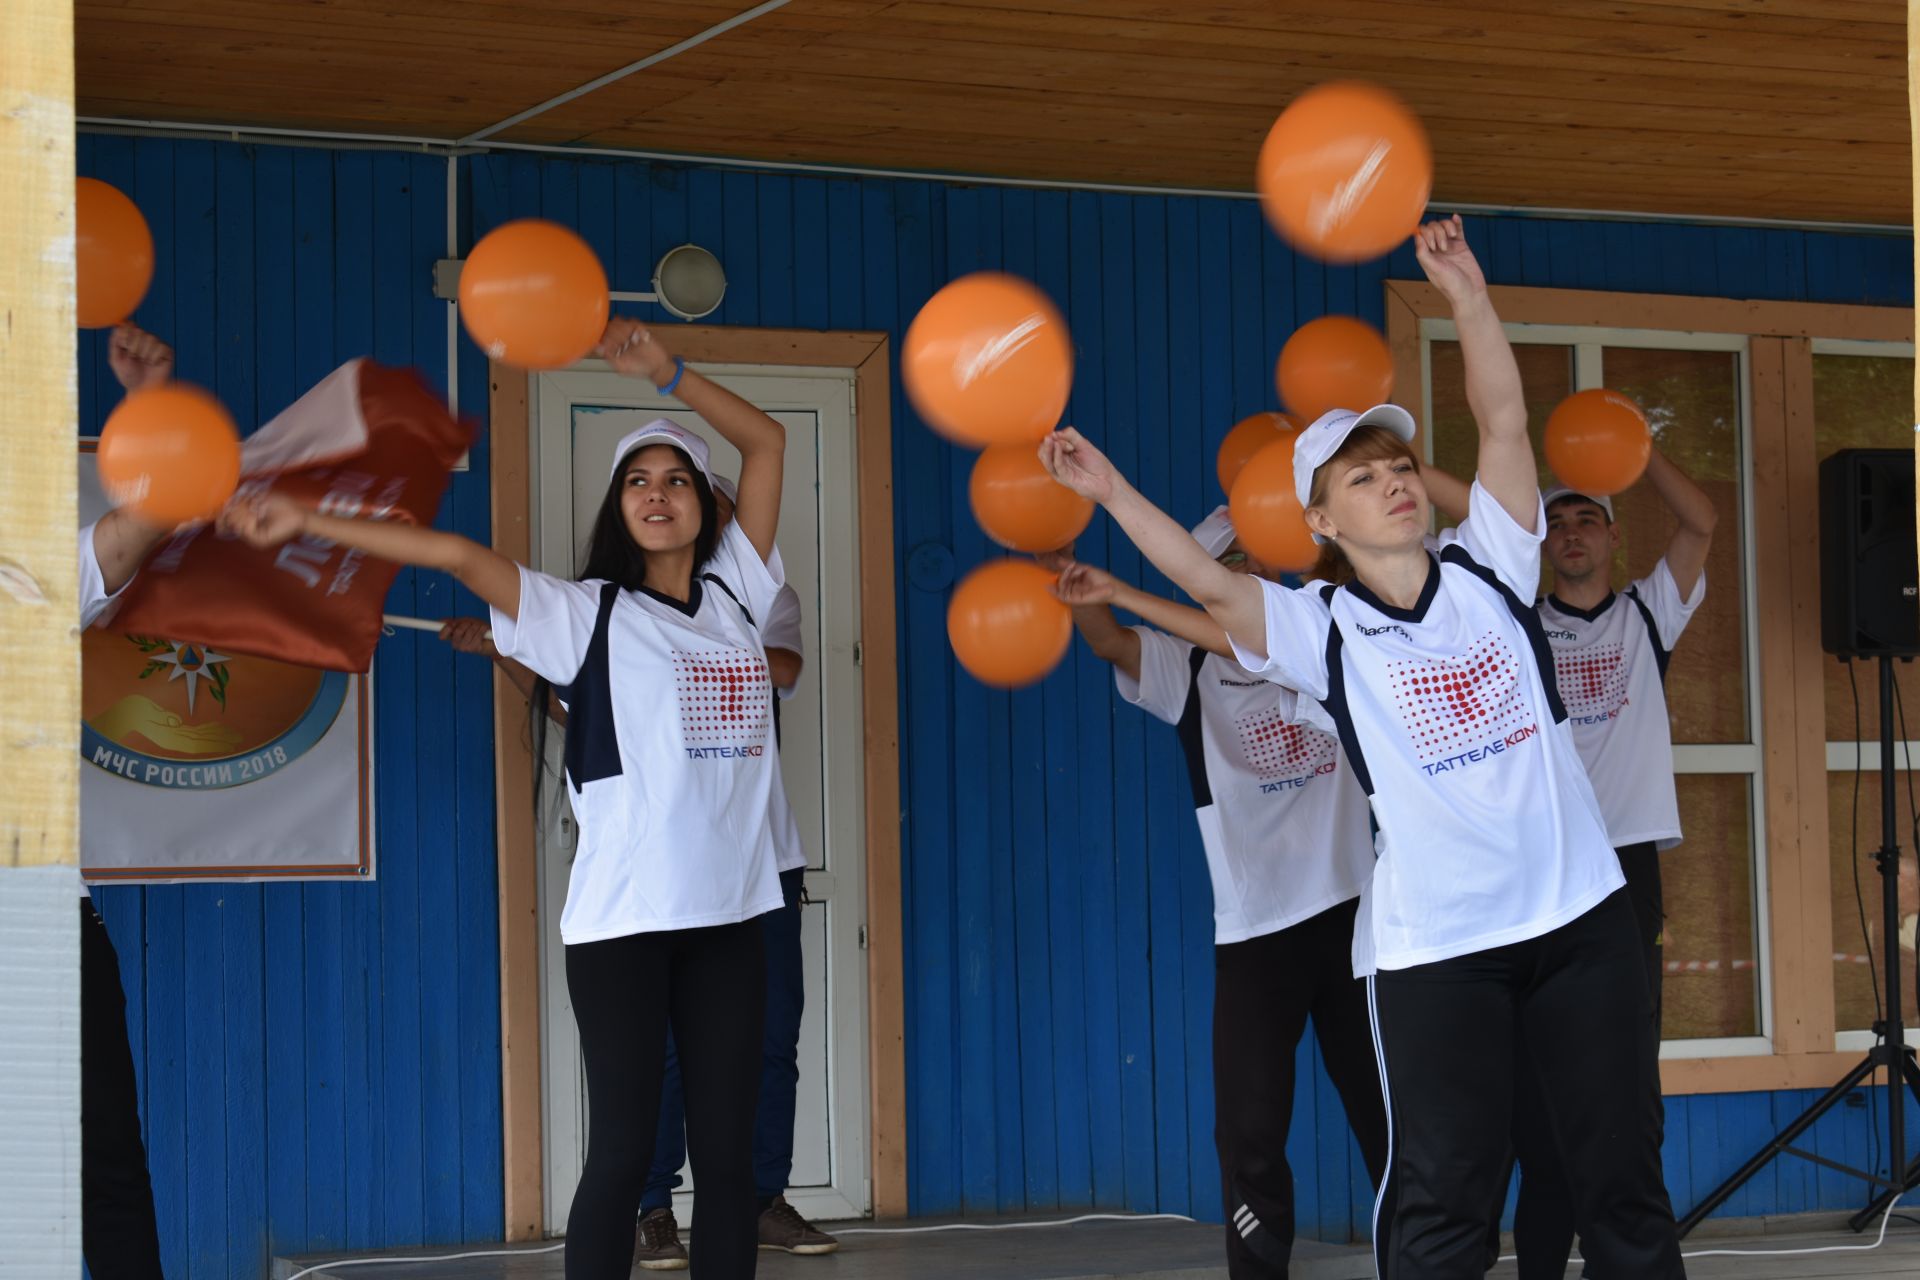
782 1227
656 1243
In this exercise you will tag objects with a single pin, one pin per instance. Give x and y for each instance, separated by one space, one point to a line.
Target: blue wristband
679 370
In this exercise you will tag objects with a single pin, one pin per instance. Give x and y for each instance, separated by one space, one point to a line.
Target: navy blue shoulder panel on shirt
1336 700
593 747
1192 741
1661 654
1529 620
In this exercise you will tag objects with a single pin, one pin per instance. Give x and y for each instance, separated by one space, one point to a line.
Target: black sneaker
656 1243
782 1228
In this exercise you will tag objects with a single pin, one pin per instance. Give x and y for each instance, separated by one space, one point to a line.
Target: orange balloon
1267 517
170 454
1335 362
533 294
113 254
1005 624
1248 437
1019 505
989 361
1598 442
1345 172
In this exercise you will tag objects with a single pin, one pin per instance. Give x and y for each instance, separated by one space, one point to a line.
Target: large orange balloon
1022 507
988 361
170 454
1267 517
1345 172
1335 362
1005 624
533 294
1248 437
1598 442
113 254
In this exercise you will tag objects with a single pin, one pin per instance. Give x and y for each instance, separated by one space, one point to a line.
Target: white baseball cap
1329 431
1560 491
660 431
1215 533
726 488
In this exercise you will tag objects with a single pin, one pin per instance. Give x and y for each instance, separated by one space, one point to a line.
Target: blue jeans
779 1074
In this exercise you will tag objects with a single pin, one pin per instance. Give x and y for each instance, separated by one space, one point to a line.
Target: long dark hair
611 555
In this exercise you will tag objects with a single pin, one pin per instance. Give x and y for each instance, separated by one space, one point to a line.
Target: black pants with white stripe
1264 990
1572 1008
1543 1218
711 986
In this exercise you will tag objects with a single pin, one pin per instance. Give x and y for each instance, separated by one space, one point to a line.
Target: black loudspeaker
1869 572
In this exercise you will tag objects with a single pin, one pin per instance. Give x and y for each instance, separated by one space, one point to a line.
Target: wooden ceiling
1788 109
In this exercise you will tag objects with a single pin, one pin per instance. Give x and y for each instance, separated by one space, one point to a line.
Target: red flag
366 441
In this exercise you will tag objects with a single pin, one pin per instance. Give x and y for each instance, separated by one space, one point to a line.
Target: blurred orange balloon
1598 442
1335 362
1345 172
533 294
170 454
1267 517
1022 507
1248 437
989 361
113 254
1005 624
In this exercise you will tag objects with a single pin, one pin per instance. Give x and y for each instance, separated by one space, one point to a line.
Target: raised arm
1233 599
1505 464
267 520
1687 549
121 539
631 348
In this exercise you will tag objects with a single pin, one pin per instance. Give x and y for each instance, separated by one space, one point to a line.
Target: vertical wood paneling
334 1047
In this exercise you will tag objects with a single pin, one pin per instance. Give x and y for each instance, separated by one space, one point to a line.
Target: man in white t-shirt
119 1236
1285 829
658 1246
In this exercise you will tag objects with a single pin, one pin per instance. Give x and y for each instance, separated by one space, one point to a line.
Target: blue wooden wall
1057 914
323 1059
319 1064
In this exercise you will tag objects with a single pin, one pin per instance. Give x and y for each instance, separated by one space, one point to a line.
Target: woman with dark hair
657 656
1495 928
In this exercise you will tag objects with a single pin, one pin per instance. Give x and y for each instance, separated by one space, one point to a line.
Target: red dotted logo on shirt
1593 679
1275 748
1451 704
725 696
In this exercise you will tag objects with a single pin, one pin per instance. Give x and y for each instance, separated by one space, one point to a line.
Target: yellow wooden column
39 651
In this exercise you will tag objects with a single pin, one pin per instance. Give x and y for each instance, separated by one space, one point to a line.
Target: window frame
1800 1046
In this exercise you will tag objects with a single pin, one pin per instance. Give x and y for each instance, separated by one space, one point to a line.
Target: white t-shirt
1489 830
1612 666
1282 820
673 795
781 630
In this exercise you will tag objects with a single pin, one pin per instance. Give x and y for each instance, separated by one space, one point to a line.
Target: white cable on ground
443 1257
1016 1226
1885 1220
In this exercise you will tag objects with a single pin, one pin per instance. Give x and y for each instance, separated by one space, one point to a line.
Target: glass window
1865 401
1693 402
1712 987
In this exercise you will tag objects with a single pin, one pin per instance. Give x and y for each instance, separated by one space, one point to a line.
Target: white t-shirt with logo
674 829
1612 672
1489 830
1282 820
781 630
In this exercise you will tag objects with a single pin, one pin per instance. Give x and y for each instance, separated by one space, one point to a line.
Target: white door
578 416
